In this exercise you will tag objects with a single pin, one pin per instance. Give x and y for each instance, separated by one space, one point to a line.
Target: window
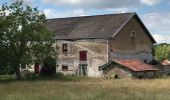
65 68
133 34
83 55
65 48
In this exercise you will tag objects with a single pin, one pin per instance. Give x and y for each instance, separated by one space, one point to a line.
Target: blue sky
155 14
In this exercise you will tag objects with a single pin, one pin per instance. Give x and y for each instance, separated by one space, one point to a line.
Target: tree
162 51
24 37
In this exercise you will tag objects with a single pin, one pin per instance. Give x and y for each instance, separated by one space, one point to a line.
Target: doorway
82 69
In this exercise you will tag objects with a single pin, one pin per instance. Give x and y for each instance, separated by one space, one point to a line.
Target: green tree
162 51
24 37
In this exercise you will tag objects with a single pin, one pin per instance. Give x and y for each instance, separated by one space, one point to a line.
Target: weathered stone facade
100 39
97 55
119 70
126 46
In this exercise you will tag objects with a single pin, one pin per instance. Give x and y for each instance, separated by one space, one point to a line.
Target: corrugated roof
88 27
136 65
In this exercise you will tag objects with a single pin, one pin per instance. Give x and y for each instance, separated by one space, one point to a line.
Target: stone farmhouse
113 45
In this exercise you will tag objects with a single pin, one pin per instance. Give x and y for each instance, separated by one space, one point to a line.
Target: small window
133 34
65 68
65 48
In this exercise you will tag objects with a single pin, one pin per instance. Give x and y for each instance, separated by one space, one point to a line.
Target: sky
155 14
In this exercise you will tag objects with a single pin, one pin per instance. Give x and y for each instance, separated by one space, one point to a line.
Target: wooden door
36 68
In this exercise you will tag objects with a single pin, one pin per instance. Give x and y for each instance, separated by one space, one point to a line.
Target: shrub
49 66
25 74
6 78
59 75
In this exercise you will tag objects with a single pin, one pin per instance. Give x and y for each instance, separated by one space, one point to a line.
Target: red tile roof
136 65
166 62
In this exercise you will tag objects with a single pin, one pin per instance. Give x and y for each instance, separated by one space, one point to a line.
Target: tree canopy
24 38
162 51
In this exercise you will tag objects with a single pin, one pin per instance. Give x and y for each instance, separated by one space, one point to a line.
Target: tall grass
86 89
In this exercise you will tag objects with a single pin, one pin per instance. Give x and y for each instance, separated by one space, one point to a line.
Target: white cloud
158 22
118 10
51 13
162 38
150 2
102 4
96 4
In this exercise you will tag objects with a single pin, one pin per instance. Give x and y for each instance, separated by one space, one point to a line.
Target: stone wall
97 55
132 42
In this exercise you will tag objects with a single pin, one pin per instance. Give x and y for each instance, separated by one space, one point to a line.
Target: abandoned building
128 69
87 43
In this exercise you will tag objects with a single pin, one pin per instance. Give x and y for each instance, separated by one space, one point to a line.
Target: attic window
133 34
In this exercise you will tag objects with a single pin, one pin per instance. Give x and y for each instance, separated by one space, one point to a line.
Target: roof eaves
105 65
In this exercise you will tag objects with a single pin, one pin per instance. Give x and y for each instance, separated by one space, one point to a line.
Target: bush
58 75
49 66
26 74
5 78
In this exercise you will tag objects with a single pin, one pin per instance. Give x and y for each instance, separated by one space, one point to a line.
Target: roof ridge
124 24
92 15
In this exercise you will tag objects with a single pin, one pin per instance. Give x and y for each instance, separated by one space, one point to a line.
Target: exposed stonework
96 56
124 46
100 39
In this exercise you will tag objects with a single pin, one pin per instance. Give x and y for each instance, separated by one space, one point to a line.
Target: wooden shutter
36 68
83 55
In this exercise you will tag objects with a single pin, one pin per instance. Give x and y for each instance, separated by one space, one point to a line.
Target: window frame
133 34
66 68
64 48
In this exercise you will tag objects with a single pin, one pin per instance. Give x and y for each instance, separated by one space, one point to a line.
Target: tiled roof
89 27
166 62
136 65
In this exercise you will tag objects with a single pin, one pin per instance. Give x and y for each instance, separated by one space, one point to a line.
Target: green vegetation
86 89
162 51
24 39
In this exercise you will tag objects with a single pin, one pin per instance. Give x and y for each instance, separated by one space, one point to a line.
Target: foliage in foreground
24 39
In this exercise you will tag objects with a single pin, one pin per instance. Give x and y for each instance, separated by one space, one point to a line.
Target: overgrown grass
7 78
77 88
